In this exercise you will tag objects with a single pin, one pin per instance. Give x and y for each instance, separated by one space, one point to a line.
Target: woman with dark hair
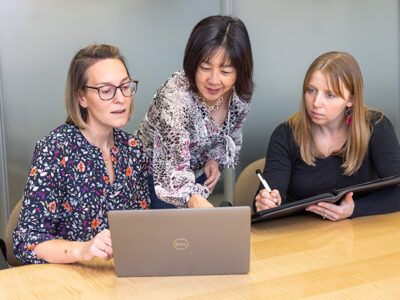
193 128
333 142
84 168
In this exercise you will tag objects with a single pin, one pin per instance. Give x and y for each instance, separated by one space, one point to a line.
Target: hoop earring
348 114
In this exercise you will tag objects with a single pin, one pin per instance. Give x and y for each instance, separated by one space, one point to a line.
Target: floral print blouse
68 193
180 137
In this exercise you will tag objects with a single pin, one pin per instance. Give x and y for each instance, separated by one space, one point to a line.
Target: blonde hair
76 79
340 69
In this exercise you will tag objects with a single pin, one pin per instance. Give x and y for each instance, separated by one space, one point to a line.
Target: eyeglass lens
108 92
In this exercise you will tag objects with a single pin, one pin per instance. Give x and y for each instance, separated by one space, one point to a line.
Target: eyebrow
110 83
221 66
310 85
325 90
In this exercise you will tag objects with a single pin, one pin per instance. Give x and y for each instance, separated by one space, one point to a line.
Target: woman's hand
197 201
211 169
334 212
265 200
99 246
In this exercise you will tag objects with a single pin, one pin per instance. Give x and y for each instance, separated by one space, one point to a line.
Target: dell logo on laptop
181 244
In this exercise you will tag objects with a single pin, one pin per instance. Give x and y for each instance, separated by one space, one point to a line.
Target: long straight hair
340 69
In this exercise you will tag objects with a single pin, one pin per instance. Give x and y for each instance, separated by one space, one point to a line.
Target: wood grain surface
295 257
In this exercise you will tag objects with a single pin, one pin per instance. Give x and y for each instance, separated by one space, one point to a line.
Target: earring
348 114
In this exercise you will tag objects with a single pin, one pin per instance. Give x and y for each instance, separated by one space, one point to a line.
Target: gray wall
39 38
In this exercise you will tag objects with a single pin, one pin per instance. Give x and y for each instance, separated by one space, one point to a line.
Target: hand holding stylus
266 198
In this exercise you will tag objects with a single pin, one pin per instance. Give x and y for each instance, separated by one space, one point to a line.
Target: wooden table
295 257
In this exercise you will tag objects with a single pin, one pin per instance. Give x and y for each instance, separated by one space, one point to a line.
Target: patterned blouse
68 193
180 137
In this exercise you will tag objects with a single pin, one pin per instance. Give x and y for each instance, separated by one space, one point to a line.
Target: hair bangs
337 82
213 51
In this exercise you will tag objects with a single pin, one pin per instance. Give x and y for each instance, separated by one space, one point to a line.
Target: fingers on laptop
101 245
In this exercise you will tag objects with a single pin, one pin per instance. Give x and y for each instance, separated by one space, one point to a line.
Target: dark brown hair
208 37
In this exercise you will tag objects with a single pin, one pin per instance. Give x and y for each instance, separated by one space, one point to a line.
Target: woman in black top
334 141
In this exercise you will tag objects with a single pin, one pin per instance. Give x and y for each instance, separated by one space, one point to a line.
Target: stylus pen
263 181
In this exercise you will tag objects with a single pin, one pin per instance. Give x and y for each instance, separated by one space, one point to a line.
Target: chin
119 124
319 122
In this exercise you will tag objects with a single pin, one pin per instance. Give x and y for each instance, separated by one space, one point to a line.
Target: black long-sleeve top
286 171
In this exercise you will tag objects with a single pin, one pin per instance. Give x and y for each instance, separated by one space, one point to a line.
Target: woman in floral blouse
193 128
85 167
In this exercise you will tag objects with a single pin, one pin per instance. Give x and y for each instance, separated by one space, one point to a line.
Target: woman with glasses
333 142
193 128
84 168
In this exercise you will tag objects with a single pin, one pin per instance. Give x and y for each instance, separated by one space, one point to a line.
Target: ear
350 101
82 99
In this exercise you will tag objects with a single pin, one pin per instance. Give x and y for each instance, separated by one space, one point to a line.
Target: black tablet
334 196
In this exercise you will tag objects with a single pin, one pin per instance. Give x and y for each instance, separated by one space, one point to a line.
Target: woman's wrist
212 160
77 251
197 200
192 201
74 251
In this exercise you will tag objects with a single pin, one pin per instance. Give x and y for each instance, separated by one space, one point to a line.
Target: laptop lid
186 241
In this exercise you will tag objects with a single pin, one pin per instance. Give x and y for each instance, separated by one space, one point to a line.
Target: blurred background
39 38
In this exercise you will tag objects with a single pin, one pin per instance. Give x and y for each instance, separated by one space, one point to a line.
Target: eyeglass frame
136 82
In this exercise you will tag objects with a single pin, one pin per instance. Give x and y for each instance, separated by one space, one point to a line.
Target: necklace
213 107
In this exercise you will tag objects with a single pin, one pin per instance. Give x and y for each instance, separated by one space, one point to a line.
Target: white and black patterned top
180 137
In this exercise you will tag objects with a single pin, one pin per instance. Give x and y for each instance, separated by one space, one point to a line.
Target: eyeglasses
107 92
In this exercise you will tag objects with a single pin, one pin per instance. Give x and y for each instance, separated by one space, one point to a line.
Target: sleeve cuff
199 189
25 250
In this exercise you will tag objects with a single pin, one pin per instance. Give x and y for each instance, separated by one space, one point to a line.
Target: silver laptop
186 241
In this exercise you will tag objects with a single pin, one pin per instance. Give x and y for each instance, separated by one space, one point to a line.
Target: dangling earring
348 114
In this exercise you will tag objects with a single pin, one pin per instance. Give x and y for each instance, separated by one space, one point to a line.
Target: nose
119 97
318 99
214 77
